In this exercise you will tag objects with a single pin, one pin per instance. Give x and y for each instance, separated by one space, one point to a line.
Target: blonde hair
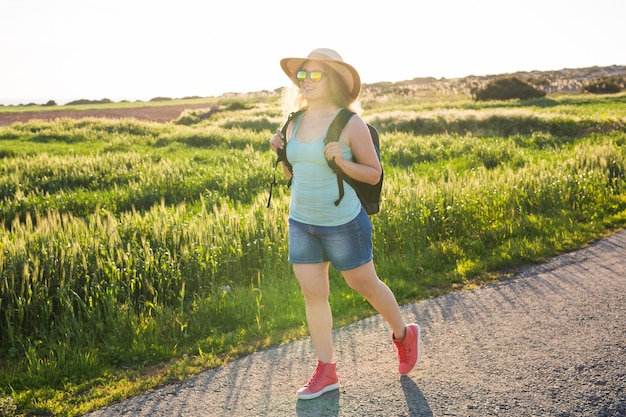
339 94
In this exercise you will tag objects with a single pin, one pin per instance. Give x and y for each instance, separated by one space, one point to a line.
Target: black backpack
368 194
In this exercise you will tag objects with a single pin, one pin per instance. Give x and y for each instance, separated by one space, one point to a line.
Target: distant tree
85 101
51 103
161 99
507 89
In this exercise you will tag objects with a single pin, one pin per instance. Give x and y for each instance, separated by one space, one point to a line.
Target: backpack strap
333 134
281 154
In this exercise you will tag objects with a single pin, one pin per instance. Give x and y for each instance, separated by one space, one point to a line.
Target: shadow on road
327 406
415 400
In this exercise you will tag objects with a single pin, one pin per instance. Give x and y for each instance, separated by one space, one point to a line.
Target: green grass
135 253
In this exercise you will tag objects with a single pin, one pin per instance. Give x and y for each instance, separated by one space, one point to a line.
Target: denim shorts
347 246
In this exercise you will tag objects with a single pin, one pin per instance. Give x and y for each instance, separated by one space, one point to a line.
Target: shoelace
402 349
317 375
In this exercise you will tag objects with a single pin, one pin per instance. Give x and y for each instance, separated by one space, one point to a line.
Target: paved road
551 341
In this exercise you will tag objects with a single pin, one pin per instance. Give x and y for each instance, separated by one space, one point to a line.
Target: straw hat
331 58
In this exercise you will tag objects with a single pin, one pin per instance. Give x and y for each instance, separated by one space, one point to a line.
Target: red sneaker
408 349
324 379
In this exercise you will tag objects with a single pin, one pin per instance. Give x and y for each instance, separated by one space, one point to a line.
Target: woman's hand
357 136
333 151
277 142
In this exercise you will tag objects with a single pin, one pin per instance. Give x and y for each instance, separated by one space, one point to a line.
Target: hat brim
347 72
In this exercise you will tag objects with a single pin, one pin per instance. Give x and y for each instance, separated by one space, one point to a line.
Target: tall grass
128 244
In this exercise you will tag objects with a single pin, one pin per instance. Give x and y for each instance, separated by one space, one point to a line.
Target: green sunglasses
314 76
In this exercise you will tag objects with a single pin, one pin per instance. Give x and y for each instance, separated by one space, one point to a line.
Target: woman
321 233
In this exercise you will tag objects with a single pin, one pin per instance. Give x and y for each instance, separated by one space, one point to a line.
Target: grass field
135 253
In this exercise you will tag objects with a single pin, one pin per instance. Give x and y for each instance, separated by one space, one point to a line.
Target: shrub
604 86
506 89
237 105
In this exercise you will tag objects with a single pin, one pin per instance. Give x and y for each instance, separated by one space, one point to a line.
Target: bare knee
313 280
315 295
363 279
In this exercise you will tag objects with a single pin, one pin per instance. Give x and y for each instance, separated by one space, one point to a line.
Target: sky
66 50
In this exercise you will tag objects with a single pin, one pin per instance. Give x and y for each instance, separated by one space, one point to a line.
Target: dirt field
154 113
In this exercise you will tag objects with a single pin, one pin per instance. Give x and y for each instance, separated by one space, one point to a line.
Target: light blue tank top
314 186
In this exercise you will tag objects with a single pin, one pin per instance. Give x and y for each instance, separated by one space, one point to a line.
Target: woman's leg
406 338
313 279
365 281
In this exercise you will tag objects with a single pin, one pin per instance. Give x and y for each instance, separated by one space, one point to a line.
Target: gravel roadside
550 341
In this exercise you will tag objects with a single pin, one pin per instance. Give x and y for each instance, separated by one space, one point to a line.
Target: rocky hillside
561 81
